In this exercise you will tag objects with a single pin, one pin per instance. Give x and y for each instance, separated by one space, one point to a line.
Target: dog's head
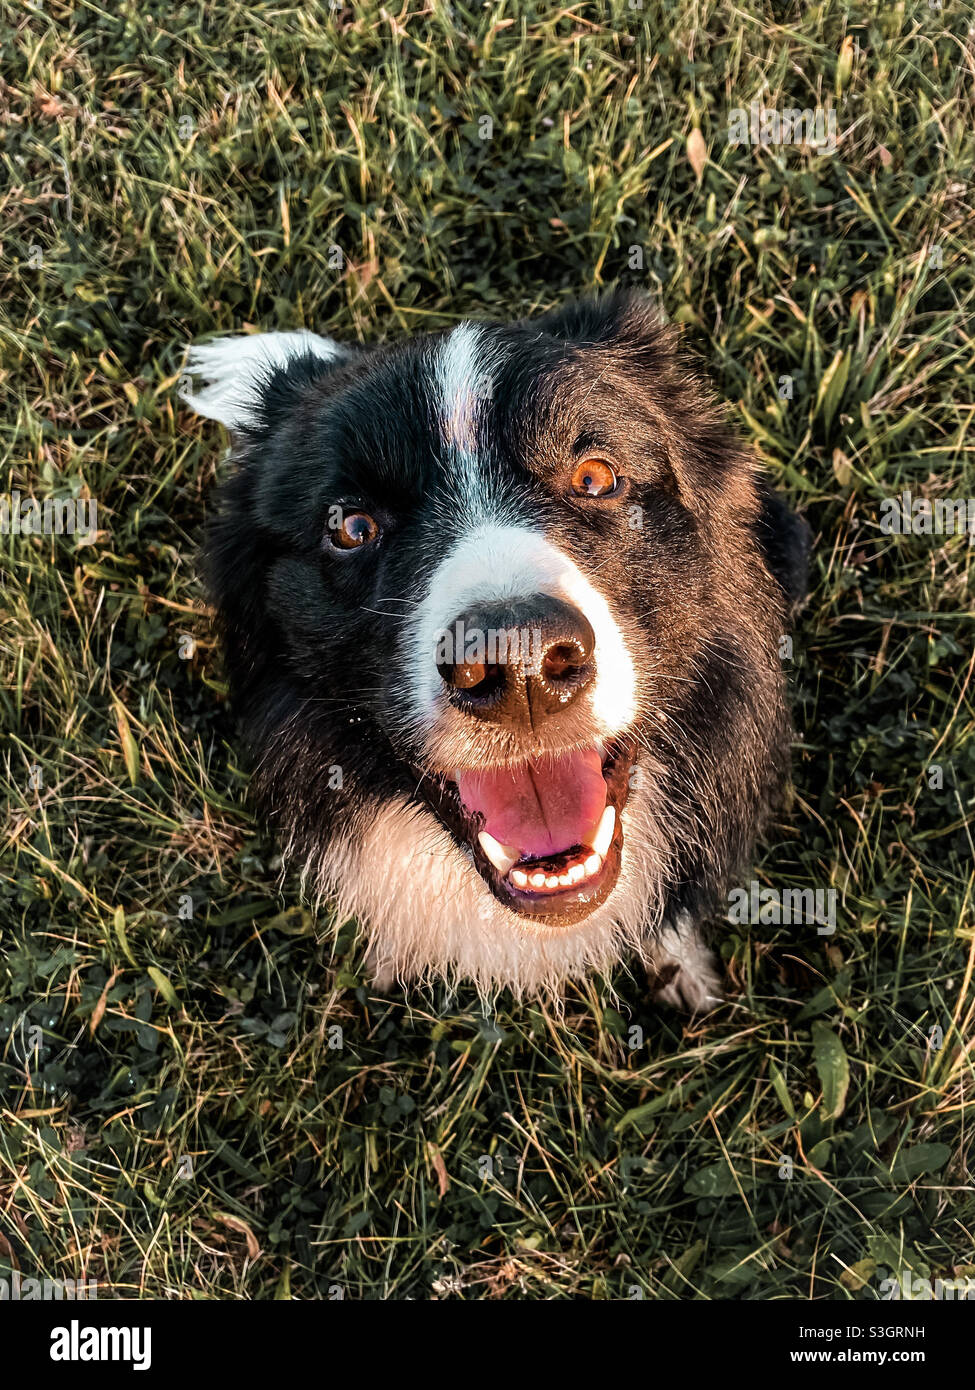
499 626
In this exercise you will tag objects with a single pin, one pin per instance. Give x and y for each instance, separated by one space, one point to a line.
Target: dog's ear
623 320
239 372
786 542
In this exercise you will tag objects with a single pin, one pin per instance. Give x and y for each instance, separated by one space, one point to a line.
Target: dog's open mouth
546 835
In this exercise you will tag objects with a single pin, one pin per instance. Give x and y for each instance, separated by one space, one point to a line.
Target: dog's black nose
517 662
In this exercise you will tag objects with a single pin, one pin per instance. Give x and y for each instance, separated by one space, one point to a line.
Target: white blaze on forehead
234 370
466 362
505 562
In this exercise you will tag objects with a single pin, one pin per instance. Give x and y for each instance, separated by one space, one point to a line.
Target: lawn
201 1095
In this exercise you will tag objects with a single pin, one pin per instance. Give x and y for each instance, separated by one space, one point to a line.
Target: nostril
474 678
563 660
464 675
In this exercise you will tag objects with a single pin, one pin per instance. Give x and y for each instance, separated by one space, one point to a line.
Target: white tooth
501 856
604 832
593 865
538 880
577 872
552 881
519 878
564 880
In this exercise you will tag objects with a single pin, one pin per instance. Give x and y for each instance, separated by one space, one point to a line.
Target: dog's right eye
353 530
594 477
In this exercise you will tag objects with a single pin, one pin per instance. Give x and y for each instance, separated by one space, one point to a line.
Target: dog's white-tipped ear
234 369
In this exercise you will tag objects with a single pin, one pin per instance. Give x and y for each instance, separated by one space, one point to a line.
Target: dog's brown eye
355 529
594 478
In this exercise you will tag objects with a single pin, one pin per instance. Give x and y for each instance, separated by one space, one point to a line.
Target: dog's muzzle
543 828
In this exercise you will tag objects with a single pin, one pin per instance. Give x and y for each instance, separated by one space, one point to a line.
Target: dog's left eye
594 478
355 529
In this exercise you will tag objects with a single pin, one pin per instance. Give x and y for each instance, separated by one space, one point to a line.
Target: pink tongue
539 808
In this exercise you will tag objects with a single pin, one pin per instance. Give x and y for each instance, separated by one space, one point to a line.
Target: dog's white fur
234 368
466 363
696 985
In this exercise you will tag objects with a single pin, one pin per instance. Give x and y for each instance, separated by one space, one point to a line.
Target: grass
201 1097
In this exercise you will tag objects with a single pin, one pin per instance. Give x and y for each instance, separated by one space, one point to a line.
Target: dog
501 608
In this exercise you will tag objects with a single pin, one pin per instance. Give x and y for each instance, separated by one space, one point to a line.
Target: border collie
501 608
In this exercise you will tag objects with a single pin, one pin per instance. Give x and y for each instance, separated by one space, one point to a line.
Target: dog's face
497 622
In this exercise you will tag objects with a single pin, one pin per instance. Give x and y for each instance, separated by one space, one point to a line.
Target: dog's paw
686 972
